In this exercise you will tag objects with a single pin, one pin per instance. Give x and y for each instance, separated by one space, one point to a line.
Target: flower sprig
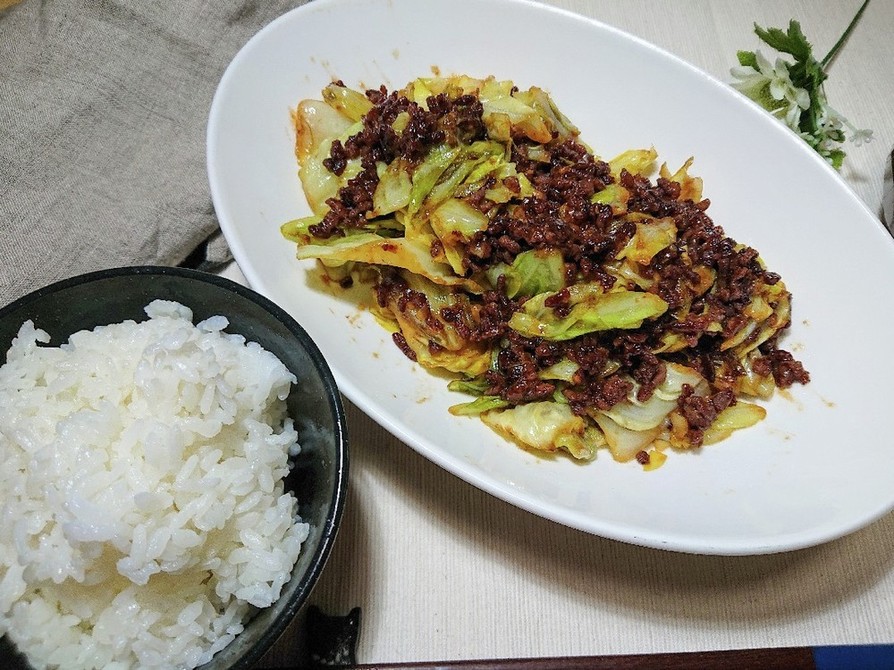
793 90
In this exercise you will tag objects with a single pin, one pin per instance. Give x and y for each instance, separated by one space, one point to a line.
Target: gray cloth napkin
103 109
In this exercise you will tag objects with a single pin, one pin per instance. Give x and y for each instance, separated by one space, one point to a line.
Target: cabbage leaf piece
632 425
397 252
438 179
436 342
505 114
635 161
351 104
590 310
498 169
637 416
735 417
475 385
317 125
624 443
690 187
768 312
547 426
428 173
316 122
421 89
462 166
298 230
508 111
615 196
752 384
543 103
455 222
563 370
652 236
534 272
394 190
480 405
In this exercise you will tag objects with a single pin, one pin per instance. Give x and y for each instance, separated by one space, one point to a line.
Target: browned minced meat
560 215
515 377
701 410
705 244
596 391
783 366
451 120
597 382
494 312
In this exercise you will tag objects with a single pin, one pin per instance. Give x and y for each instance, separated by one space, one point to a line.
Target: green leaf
635 161
460 169
791 42
635 415
747 59
457 221
564 371
735 417
836 158
376 249
652 235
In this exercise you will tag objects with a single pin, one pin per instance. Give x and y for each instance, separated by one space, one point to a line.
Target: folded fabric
102 131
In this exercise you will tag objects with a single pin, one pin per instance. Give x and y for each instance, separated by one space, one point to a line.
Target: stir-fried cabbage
547 426
590 309
579 303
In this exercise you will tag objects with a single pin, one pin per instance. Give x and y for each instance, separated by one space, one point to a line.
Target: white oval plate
815 469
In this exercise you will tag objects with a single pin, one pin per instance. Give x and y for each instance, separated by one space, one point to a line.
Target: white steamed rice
141 494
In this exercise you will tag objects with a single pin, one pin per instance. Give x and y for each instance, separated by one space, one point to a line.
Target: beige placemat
102 131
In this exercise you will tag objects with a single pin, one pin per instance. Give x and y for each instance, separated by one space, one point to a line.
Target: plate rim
454 465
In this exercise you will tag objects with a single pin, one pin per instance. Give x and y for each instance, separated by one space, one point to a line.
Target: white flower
861 136
802 107
770 85
835 122
751 81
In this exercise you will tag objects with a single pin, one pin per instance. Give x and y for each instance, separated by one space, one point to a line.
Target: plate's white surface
817 468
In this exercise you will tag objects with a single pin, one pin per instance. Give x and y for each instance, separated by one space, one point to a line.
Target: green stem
841 40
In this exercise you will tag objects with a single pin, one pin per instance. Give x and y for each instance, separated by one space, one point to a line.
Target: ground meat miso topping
581 303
